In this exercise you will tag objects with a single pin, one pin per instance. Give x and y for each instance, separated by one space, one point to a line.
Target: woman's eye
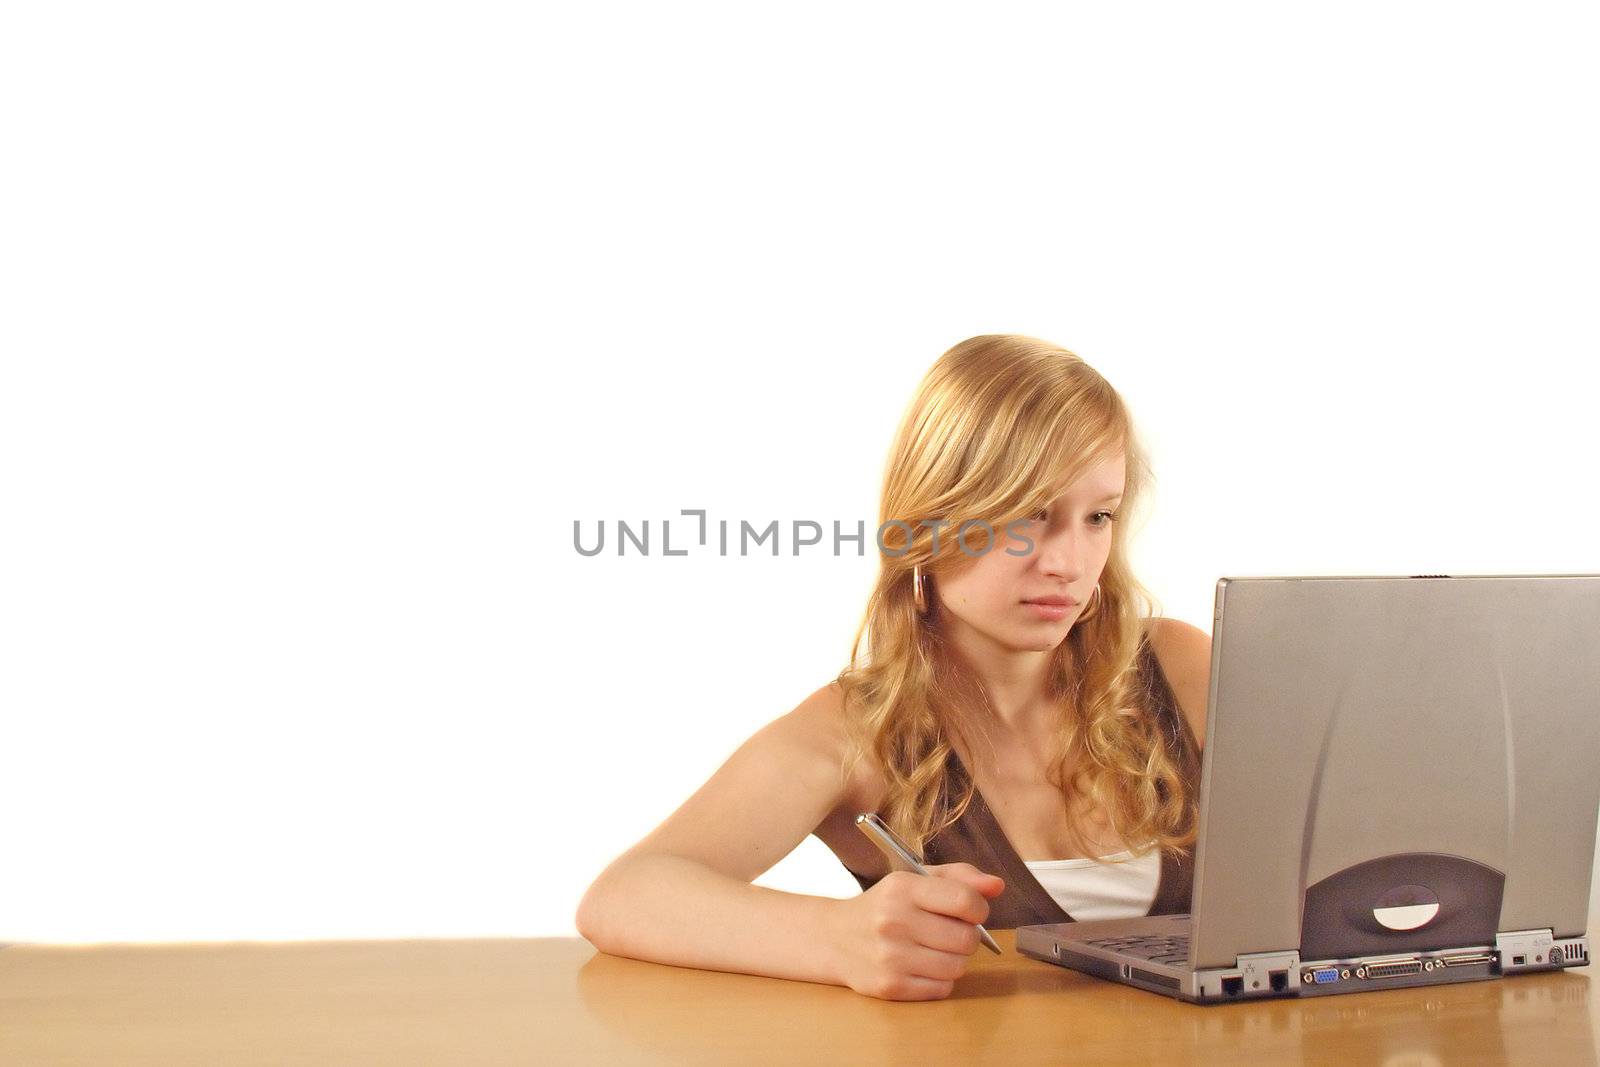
1102 518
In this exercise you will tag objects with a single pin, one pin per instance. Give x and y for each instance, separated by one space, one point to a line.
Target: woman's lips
1054 608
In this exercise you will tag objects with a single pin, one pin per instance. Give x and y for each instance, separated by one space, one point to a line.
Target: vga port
1324 975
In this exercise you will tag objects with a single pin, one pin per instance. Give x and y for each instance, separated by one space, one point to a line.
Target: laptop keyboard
1157 949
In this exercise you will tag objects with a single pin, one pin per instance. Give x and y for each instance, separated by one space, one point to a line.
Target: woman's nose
1059 556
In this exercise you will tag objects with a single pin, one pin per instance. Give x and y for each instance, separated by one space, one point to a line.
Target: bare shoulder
821 709
1184 652
763 800
819 720
814 729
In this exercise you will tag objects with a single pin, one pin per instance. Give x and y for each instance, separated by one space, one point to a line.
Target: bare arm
668 909
683 895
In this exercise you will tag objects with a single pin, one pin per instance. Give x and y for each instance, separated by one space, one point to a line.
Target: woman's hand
909 937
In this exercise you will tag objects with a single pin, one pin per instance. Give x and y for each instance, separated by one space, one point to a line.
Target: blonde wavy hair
1000 426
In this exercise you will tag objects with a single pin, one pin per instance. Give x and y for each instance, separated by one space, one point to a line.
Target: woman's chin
1042 639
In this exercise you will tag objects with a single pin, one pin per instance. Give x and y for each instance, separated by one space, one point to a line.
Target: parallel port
1392 969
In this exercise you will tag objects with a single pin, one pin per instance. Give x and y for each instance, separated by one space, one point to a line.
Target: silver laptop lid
1409 761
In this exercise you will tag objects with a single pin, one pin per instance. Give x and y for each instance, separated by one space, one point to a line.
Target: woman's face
1071 541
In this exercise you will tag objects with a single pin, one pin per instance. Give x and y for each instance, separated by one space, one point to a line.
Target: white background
322 323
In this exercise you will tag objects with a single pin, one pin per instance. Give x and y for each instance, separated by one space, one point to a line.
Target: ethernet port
1233 986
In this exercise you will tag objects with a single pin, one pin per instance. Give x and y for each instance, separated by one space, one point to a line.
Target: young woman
1010 709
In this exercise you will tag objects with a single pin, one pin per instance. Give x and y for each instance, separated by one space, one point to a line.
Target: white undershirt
1088 889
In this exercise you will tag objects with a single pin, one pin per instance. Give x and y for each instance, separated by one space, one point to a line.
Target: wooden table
558 1001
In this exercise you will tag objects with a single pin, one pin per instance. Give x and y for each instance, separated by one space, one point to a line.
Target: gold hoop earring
1094 603
918 595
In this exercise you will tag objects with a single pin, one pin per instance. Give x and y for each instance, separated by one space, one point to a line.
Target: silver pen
890 845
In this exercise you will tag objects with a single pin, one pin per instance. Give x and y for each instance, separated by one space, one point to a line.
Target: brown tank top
976 837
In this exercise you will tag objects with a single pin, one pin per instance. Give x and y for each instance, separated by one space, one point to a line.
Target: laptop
1399 787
